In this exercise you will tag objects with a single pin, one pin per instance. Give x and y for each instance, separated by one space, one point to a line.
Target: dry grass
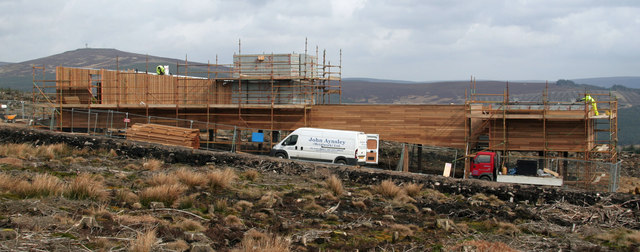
87 186
243 205
387 189
435 196
221 179
126 196
191 178
144 242
42 185
53 151
162 179
12 161
189 225
412 189
178 245
21 151
257 241
167 194
480 199
359 204
6 182
251 175
481 246
620 238
403 230
335 185
152 164
269 199
149 220
132 167
233 220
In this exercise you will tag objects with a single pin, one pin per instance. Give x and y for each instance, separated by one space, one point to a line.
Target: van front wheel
281 155
341 162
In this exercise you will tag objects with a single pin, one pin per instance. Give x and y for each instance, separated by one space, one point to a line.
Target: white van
336 146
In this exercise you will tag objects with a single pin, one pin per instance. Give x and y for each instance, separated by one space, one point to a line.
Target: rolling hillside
19 75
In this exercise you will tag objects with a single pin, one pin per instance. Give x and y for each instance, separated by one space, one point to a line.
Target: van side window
483 159
291 140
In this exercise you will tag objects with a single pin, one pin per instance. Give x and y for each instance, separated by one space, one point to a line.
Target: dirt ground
103 194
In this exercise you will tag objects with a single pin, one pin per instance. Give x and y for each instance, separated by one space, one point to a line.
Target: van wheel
487 178
341 162
281 155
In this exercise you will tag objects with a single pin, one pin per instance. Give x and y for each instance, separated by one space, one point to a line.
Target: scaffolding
554 130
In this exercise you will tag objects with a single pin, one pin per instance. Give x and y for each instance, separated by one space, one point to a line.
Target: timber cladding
129 87
437 125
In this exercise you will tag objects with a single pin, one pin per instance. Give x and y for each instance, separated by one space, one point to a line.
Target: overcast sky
415 40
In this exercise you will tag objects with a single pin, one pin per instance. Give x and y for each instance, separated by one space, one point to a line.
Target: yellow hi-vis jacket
590 99
160 70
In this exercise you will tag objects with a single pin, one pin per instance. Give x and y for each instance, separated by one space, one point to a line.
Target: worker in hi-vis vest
160 70
588 99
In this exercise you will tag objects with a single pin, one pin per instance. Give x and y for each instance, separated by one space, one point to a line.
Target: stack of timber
162 134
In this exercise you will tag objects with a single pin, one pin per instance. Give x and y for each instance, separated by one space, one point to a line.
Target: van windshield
291 140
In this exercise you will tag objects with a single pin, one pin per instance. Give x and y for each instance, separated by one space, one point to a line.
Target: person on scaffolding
588 99
160 70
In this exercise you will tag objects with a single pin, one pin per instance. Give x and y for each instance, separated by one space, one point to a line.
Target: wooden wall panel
128 87
437 125
529 135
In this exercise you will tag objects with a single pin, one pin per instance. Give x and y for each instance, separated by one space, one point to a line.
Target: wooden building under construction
277 93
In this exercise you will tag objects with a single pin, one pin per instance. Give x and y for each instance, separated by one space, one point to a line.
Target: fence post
191 126
52 120
148 119
95 125
126 123
22 102
89 121
233 142
71 120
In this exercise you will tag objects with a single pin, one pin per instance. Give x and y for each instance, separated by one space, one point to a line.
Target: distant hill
632 82
19 75
4 63
360 91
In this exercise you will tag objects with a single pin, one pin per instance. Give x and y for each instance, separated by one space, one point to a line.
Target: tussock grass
221 179
359 204
87 186
152 164
191 178
178 245
233 220
162 179
190 225
126 219
126 196
21 151
53 151
492 200
144 242
388 189
243 205
6 182
335 185
412 189
132 167
255 241
481 246
42 185
251 175
403 230
167 194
